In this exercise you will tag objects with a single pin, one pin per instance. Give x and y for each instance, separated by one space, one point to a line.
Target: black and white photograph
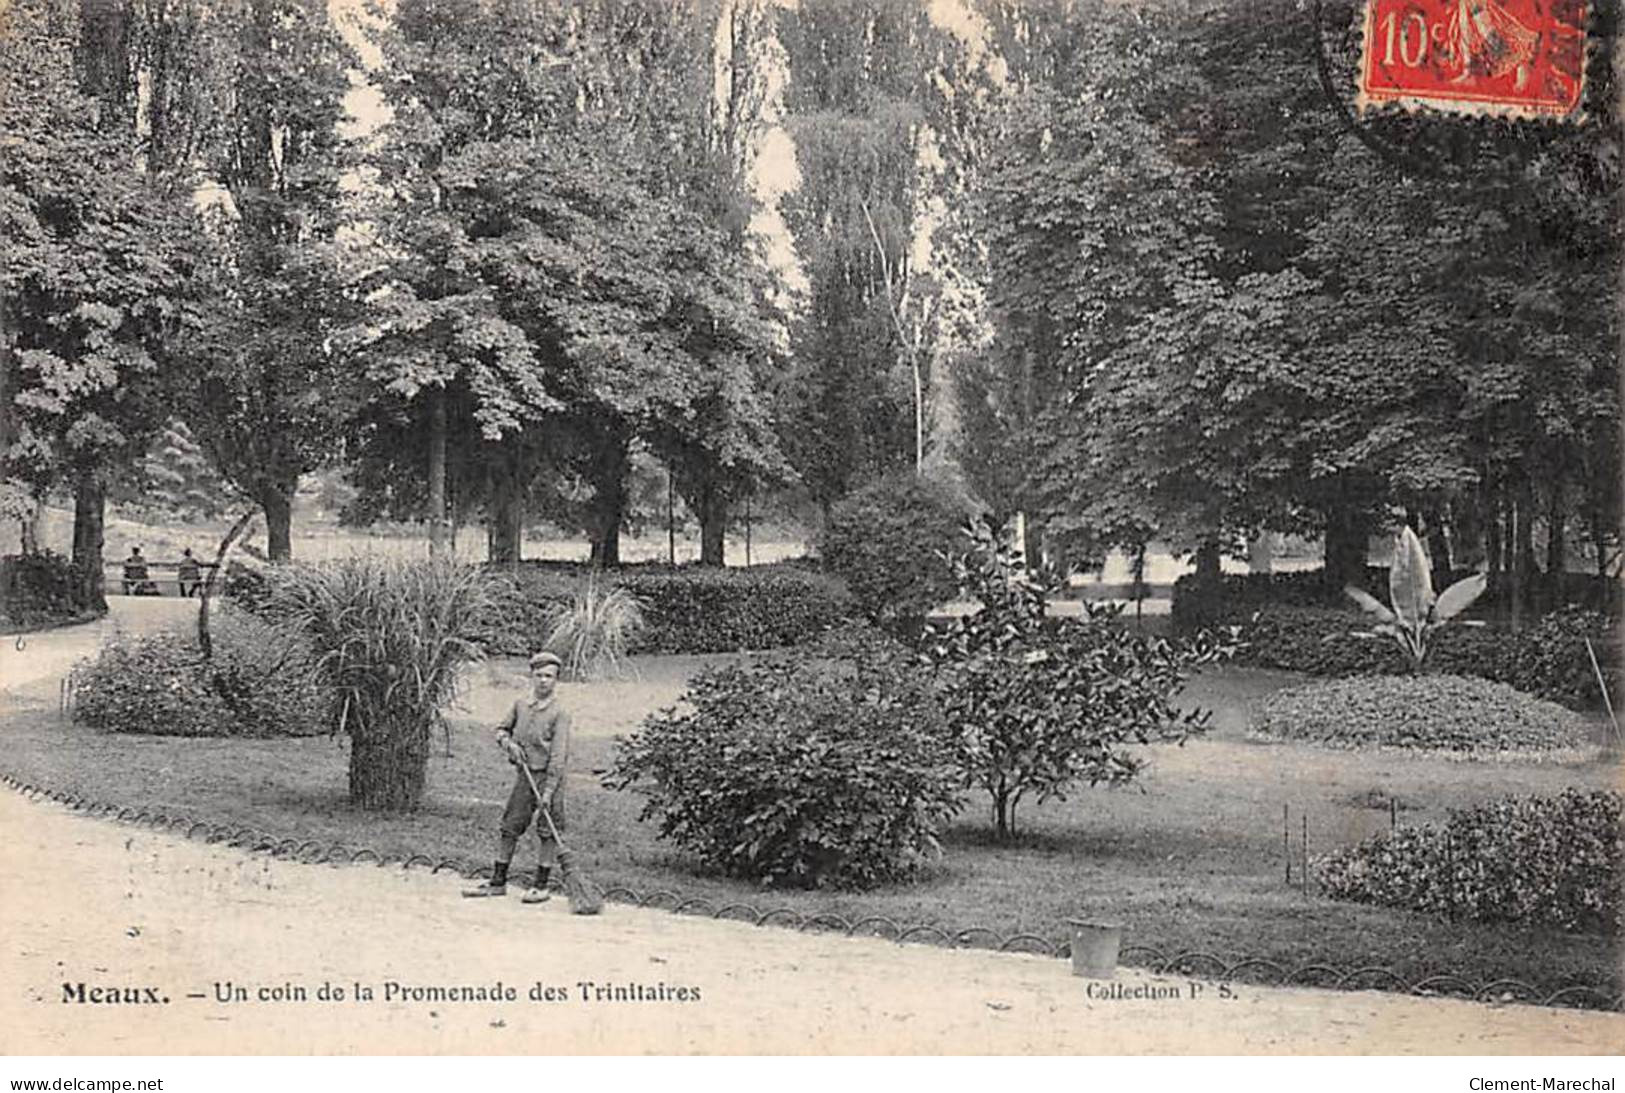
718 528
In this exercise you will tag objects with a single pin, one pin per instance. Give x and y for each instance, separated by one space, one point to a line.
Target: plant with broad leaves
1415 611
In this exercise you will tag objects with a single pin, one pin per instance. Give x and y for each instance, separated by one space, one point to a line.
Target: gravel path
124 909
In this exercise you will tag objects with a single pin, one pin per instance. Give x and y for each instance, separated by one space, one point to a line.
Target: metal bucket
1095 946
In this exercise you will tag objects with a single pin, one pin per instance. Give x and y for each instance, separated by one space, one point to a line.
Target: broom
583 894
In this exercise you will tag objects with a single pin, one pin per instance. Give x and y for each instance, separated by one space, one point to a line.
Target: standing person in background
535 735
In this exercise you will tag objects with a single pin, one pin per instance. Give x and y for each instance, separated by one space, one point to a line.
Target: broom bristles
584 896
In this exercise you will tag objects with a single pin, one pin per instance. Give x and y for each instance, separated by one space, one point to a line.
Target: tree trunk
609 503
1345 549
277 501
1557 547
1530 580
1494 543
671 519
1003 824
1467 534
1032 542
1260 553
1600 531
713 513
1439 548
1208 571
1517 519
29 529
437 473
89 511
389 759
505 523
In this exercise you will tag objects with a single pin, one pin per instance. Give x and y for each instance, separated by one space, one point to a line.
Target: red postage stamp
1518 58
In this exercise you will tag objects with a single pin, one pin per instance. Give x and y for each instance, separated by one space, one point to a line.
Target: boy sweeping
536 737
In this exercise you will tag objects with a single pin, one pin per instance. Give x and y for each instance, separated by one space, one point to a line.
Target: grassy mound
1436 713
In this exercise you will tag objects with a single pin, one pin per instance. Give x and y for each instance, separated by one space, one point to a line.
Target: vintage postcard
849 527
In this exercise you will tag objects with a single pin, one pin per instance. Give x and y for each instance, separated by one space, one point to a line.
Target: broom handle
546 815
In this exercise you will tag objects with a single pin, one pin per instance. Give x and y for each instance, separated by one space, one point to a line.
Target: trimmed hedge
1444 712
1197 603
1236 595
41 589
692 609
161 685
1547 659
1548 861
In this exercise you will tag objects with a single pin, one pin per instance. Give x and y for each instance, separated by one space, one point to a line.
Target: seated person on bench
189 576
135 572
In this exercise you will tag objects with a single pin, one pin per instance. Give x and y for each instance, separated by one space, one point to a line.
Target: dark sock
542 873
499 873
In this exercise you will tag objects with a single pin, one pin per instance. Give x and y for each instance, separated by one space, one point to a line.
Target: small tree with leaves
1035 706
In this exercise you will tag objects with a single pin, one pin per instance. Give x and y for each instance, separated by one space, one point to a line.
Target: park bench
154 583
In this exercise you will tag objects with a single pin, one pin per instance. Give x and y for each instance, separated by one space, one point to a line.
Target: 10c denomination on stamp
1509 58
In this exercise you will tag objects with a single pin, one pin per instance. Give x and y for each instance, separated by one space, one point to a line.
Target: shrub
388 641
829 770
889 541
161 684
1449 713
591 636
1550 658
1537 860
41 589
1036 705
1547 659
693 609
246 587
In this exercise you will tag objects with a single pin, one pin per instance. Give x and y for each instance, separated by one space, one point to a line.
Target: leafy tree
855 79
242 100
175 479
545 258
1035 706
1257 312
97 284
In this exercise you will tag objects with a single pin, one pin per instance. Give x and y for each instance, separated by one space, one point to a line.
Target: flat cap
544 657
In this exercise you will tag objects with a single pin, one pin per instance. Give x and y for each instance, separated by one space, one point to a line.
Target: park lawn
1190 859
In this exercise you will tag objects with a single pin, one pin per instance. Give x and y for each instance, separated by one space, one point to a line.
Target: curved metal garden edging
1253 969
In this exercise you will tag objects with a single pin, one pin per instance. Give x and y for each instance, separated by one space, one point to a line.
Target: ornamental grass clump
593 635
388 641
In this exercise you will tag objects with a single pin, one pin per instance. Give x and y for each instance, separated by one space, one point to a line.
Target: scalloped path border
152 910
